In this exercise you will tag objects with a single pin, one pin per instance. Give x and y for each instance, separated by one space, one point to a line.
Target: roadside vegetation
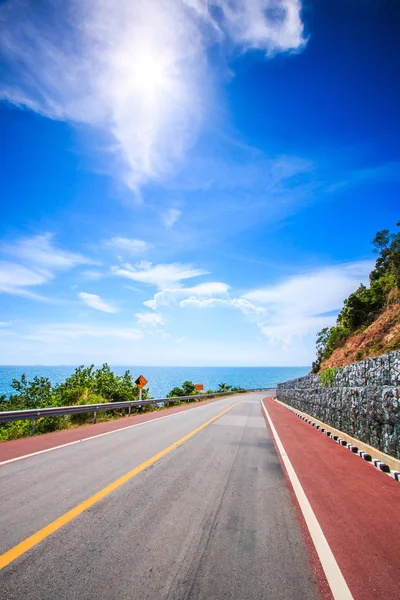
87 385
188 389
369 323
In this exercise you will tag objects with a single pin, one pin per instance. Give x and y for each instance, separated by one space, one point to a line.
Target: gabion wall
363 400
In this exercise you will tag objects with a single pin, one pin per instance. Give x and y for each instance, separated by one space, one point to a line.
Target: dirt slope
382 336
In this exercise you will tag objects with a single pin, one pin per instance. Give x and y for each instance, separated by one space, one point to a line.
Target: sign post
141 382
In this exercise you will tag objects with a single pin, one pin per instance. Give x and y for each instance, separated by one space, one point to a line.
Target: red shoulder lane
357 506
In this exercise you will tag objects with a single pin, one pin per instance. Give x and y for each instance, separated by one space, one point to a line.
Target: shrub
327 377
188 389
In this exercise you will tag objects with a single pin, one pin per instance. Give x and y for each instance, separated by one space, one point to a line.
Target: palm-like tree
224 388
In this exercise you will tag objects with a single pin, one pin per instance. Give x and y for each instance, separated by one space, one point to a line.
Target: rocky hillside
382 336
369 322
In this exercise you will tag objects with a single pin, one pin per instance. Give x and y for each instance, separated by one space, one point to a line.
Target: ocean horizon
163 379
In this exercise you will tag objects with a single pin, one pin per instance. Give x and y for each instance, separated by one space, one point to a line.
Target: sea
162 379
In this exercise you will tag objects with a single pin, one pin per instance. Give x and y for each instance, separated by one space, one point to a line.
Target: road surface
209 519
202 503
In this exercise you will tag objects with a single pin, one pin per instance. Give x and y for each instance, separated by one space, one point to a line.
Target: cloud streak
94 301
129 245
298 305
161 276
291 309
15 278
40 251
39 260
135 72
149 319
170 217
177 295
59 332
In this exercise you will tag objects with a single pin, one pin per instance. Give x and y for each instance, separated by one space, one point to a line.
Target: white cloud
135 70
161 276
160 333
96 302
92 275
40 251
297 307
130 245
244 306
285 330
41 258
300 305
15 278
269 25
48 333
203 302
174 295
316 292
170 217
150 319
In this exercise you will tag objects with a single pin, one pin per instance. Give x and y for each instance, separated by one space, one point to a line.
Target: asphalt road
212 519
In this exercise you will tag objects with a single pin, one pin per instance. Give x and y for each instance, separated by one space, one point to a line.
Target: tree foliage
188 389
362 306
224 388
86 385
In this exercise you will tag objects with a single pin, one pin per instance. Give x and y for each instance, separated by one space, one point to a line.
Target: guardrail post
95 416
129 411
33 427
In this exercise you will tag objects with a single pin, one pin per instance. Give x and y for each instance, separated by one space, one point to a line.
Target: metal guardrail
20 415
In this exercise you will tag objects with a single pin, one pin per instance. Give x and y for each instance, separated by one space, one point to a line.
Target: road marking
92 437
36 538
337 582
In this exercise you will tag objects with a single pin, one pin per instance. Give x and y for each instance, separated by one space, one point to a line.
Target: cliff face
382 336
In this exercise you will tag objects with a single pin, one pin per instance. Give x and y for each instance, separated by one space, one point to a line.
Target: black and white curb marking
373 461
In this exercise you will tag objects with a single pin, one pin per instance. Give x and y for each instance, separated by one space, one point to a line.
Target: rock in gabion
363 400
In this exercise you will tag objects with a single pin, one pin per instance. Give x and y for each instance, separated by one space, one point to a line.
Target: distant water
163 379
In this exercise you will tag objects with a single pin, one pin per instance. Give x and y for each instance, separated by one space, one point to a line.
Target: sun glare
149 75
143 73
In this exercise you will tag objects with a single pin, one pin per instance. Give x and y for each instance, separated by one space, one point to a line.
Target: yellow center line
42 534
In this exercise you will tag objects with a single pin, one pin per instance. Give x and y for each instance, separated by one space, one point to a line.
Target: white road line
337 582
92 437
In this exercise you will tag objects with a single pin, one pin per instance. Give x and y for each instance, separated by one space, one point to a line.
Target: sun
149 76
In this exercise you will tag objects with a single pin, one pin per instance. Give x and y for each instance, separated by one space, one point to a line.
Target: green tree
362 306
37 393
222 387
188 388
381 240
86 385
176 392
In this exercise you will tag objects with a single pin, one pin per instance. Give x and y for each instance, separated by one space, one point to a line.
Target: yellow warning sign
141 382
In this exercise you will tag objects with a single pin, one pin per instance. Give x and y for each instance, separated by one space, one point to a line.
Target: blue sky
187 182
